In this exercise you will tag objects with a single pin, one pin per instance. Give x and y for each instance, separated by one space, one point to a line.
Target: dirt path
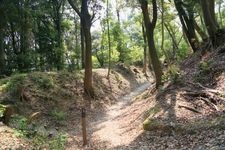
120 128
120 125
111 129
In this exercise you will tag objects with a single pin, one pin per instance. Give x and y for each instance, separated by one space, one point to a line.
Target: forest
112 74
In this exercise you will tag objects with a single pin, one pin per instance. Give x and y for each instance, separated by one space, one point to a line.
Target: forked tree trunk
86 24
150 26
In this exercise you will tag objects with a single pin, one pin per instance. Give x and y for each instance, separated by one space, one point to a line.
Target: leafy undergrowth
45 103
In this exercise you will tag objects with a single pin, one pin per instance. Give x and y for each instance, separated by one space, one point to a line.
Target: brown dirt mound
58 97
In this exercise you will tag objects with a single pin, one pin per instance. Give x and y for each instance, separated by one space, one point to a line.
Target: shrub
172 73
58 115
204 67
45 82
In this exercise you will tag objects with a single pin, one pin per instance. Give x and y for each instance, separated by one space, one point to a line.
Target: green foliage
20 126
21 129
2 109
204 67
172 73
154 110
19 122
43 81
58 115
183 51
136 54
58 143
11 84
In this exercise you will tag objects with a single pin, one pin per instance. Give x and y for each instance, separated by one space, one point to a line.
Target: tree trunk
77 43
119 39
145 50
187 24
86 21
25 29
2 53
12 32
163 32
109 41
117 11
211 24
82 47
162 25
58 8
149 26
200 31
174 41
88 62
86 26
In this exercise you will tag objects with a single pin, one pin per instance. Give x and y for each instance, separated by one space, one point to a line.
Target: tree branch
93 16
74 7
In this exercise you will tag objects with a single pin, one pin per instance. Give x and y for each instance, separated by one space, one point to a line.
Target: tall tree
86 22
25 36
109 40
208 10
82 46
119 33
145 49
150 26
162 24
2 52
57 19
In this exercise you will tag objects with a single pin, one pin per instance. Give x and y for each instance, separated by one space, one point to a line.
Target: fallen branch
189 108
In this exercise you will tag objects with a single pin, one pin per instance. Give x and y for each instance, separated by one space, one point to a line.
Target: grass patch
58 115
2 109
11 84
43 81
204 67
39 138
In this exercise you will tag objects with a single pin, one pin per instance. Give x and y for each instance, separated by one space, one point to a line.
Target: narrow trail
120 124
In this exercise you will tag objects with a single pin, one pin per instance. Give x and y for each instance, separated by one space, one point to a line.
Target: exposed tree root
189 108
210 96
210 104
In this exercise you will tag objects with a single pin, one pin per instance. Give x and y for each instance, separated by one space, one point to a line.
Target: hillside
188 110
53 101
